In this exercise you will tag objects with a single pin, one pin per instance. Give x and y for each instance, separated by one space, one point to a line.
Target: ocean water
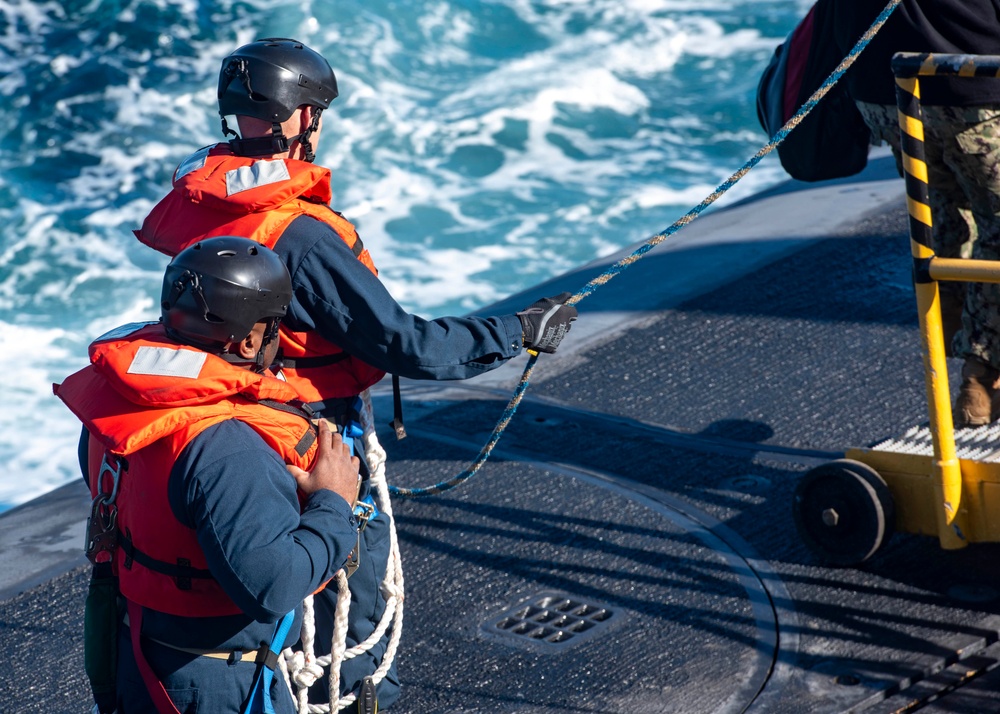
479 146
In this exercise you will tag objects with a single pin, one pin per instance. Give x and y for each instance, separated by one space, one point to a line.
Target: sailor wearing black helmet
197 458
343 331
270 80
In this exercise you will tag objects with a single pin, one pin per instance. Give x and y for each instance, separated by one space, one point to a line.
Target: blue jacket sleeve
341 299
236 493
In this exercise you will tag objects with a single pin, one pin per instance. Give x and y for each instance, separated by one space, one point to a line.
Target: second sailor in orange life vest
231 508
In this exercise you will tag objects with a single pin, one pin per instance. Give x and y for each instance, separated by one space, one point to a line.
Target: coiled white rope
303 668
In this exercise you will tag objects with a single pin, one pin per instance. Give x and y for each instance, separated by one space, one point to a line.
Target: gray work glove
546 322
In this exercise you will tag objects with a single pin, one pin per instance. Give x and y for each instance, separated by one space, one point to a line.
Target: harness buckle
101 535
364 511
115 471
367 697
353 558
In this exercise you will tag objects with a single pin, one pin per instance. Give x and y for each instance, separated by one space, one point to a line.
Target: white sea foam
39 437
37 441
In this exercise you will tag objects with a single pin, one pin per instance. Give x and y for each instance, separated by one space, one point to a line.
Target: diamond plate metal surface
981 443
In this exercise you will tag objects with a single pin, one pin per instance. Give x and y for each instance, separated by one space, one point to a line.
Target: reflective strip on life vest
259 173
192 163
167 362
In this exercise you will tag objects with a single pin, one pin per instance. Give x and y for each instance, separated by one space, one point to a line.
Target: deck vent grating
552 621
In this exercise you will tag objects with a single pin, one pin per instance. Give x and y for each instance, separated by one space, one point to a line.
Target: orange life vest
217 193
143 398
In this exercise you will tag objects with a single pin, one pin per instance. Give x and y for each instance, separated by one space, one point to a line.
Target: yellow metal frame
940 495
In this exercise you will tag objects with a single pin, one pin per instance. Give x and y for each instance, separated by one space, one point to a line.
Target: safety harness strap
157 692
295 407
231 656
397 410
262 682
311 362
181 571
298 409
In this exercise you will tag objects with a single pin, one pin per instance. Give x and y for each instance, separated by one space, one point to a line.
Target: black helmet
269 79
216 290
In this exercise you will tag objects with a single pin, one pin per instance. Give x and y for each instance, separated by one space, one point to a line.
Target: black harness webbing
397 410
299 409
310 362
181 571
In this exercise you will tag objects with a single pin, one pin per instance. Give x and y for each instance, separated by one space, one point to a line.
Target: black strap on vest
359 247
310 362
299 409
181 572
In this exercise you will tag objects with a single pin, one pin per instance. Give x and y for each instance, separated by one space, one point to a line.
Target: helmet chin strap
257 363
303 138
254 365
276 142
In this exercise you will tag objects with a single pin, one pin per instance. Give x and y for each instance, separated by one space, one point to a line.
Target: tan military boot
977 395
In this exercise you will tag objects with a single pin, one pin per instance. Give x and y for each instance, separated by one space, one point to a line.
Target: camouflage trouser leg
963 166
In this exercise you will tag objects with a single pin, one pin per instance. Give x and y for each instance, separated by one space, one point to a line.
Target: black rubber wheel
843 511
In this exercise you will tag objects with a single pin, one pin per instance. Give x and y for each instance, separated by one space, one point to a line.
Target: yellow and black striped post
929 269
